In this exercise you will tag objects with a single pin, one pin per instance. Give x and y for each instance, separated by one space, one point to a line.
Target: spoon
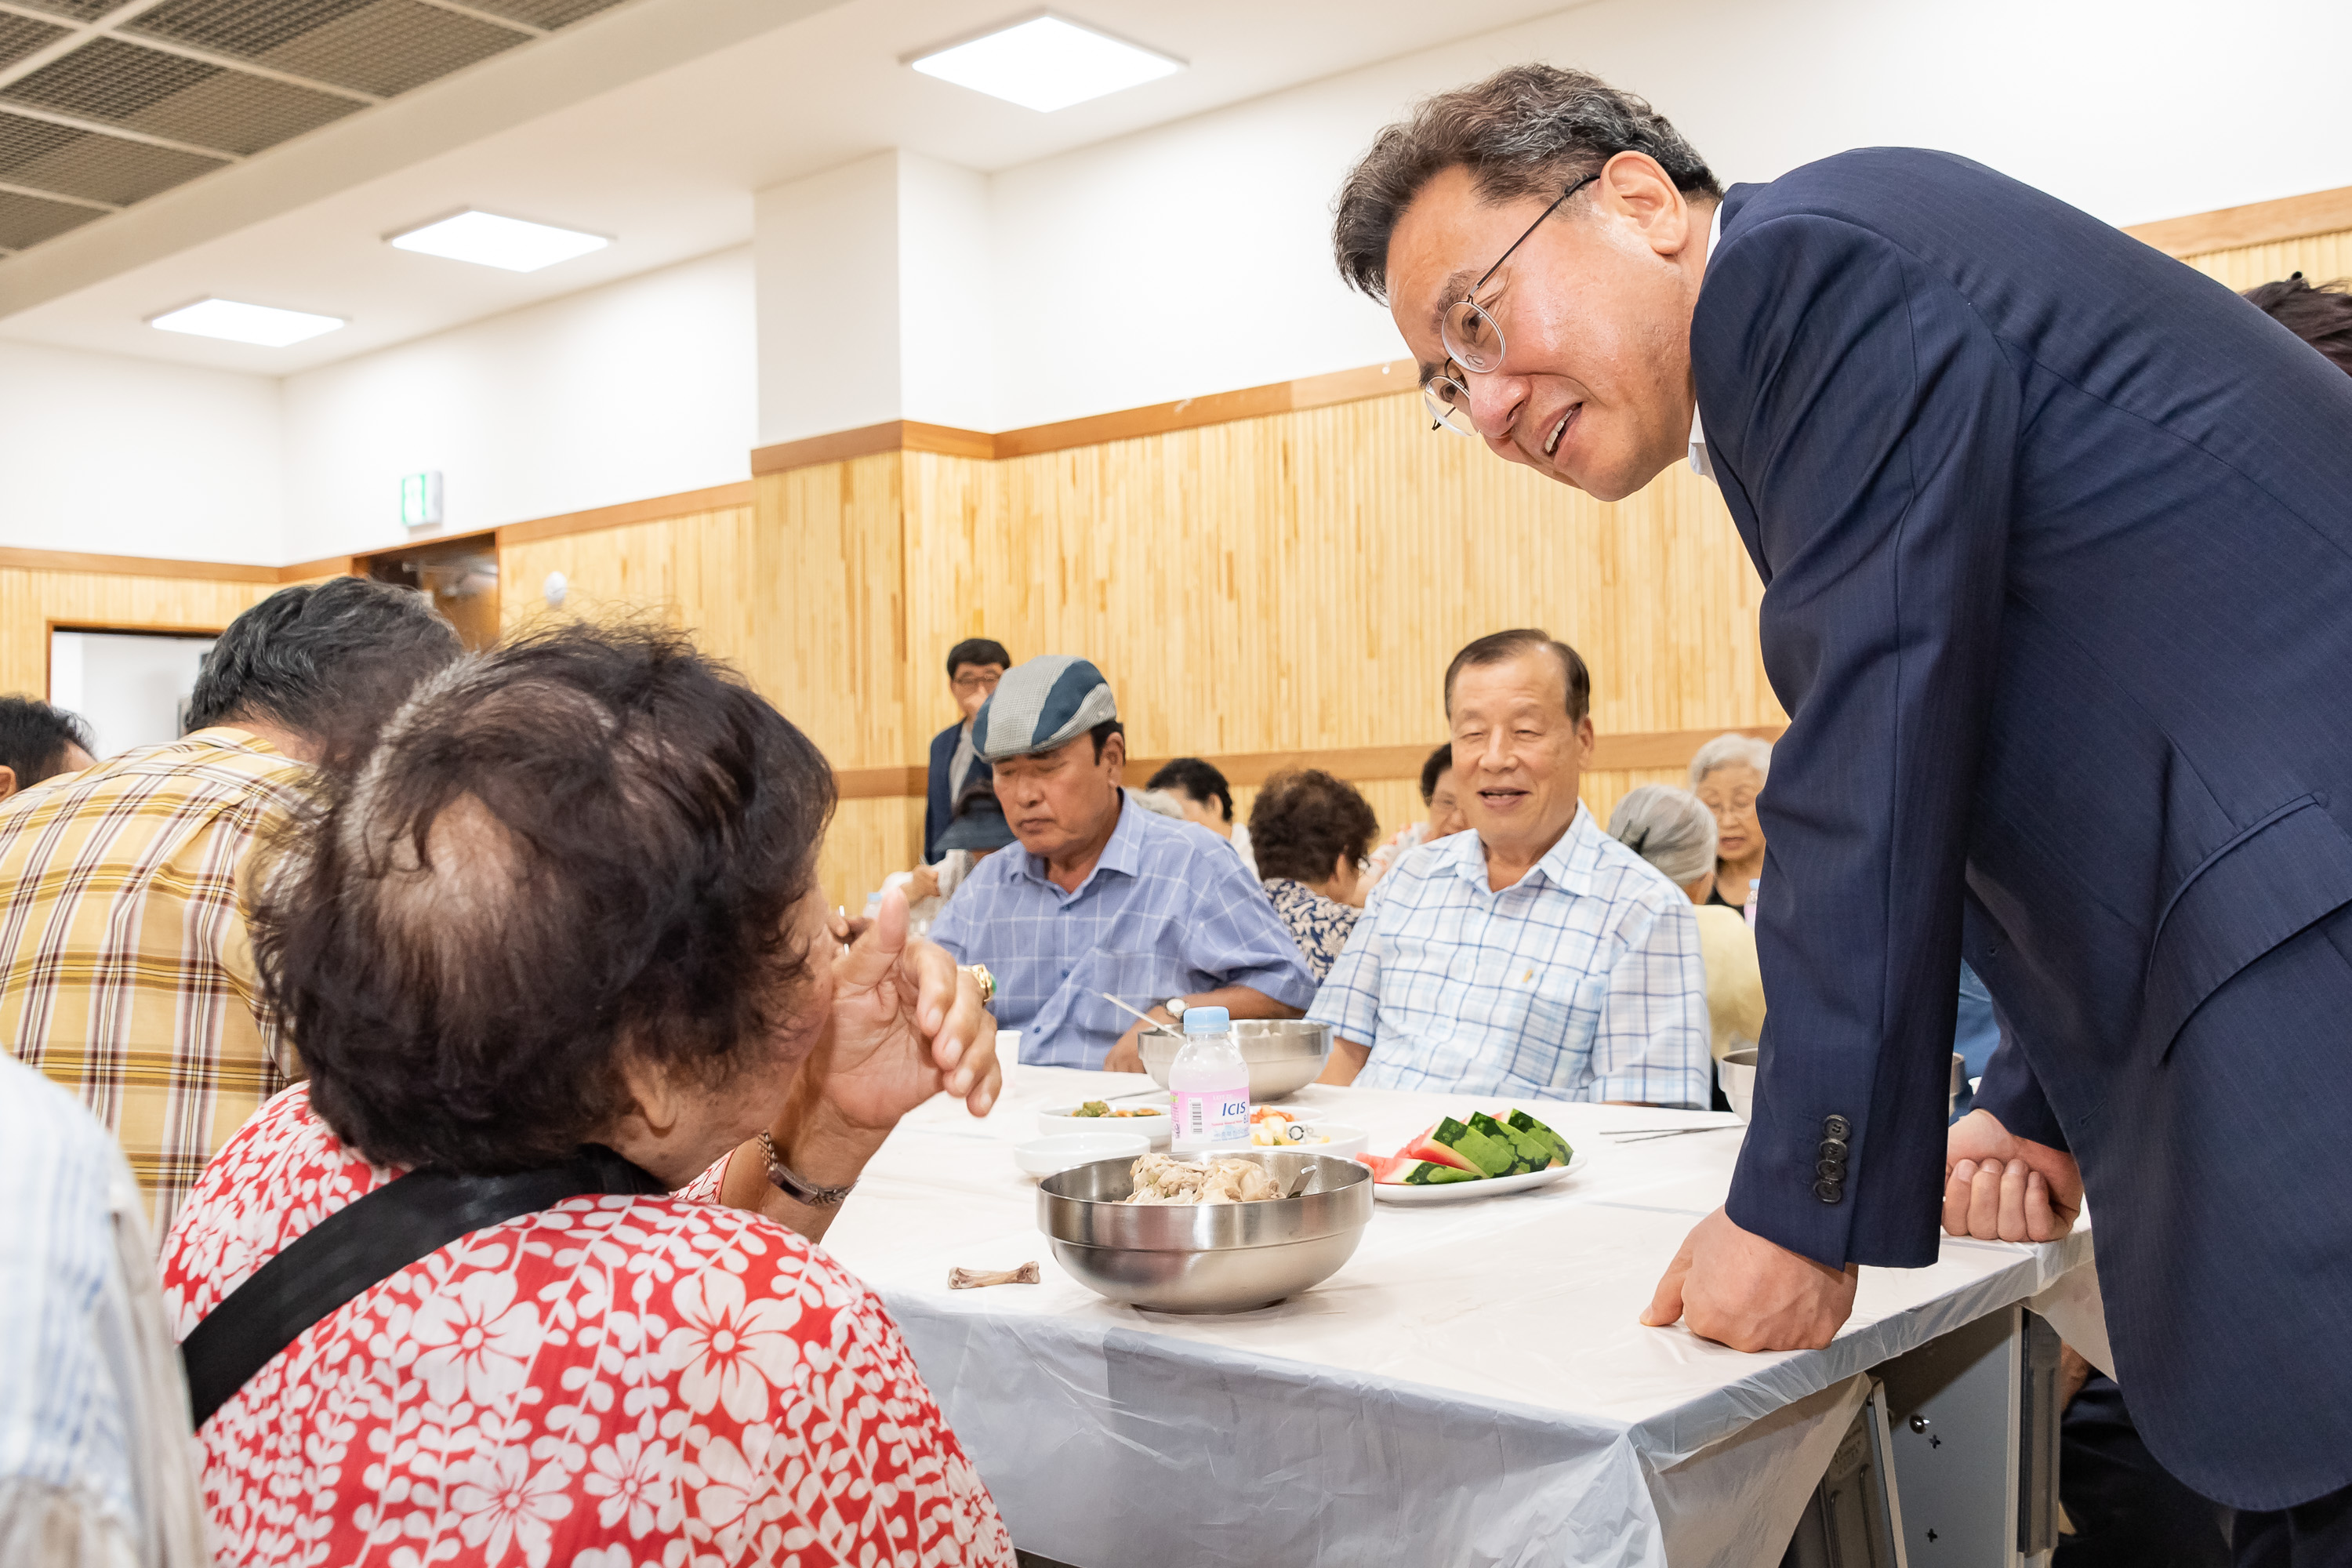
1300 1185
1149 1021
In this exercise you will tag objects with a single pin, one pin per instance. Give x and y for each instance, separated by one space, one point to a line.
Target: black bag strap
366 1242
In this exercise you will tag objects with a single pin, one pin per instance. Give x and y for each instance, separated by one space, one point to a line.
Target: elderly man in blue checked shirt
1104 896
1534 955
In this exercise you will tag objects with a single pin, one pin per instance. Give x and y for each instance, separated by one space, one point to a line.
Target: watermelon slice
1533 1153
1489 1156
1384 1167
1522 1123
1421 1174
1426 1146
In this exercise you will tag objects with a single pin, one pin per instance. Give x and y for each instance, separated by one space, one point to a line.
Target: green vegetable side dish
1092 1108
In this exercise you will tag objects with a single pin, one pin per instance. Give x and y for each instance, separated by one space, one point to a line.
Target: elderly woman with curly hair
561 936
1312 832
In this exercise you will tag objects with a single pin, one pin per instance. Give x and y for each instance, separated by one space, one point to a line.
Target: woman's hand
906 1022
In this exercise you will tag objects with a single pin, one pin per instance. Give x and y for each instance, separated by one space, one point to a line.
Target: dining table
1473 1386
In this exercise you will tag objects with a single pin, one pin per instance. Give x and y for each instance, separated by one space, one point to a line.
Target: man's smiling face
1595 386
1518 758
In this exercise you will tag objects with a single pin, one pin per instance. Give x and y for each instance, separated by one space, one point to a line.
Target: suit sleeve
1871 419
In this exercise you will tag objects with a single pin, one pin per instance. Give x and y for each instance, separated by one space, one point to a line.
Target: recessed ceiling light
240 323
1047 63
495 241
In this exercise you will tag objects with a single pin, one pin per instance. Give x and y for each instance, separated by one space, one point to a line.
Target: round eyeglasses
1474 339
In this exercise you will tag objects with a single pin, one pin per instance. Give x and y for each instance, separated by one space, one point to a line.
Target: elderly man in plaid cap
1100 896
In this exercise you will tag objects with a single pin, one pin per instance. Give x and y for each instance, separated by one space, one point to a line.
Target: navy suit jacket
938 800
2056 535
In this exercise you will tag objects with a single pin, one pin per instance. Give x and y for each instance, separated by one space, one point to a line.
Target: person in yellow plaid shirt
126 972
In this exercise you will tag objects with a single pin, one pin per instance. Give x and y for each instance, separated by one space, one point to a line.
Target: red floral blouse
615 1383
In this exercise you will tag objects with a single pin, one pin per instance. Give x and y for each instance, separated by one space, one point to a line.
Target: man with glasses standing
2056 545
974 667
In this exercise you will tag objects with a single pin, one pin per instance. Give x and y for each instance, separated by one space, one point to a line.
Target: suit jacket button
1833 1147
1835 1127
1830 1170
1829 1192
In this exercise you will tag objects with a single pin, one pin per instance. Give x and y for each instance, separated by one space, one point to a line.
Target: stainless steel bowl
1736 1073
1223 1257
1285 1054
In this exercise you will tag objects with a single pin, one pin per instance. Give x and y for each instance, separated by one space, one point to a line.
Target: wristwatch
979 972
795 1186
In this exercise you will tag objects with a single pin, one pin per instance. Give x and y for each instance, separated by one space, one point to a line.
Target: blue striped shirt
1168 909
1581 980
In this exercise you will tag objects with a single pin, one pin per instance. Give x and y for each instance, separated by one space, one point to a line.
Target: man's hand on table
2001 1187
1127 1056
1734 1287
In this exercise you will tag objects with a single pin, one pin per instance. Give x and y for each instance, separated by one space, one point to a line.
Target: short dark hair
1101 734
1197 781
34 737
1433 769
1303 822
331 661
1495 648
2320 316
585 844
977 651
1528 131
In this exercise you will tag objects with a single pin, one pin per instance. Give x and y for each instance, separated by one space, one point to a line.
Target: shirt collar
1567 865
1123 854
1699 458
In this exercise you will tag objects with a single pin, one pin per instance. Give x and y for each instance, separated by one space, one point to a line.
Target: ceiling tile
382 46
544 13
20 36
84 164
116 83
28 220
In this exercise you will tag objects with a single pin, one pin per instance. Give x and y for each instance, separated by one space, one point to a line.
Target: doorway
462 575
131 687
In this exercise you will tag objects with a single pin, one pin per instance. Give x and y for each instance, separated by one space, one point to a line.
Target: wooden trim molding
1125 425
134 565
1647 749
653 509
328 566
2258 222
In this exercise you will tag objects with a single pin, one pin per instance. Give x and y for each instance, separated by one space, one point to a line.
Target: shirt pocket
1545 1012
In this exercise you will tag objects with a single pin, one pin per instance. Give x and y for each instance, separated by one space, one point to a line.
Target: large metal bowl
1285 1054
1221 1258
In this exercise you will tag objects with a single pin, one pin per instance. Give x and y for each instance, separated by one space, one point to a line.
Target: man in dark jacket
2057 538
974 667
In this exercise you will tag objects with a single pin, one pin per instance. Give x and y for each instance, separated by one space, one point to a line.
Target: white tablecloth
1474 1382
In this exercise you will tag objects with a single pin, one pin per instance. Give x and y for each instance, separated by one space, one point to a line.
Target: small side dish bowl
1043 1157
1158 1125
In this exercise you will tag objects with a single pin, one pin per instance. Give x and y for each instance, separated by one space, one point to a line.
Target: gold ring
987 981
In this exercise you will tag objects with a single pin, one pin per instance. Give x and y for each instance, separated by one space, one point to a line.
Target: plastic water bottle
1210 1083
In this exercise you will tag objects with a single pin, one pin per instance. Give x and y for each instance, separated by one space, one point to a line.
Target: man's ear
1638 190
1584 742
7 782
1115 755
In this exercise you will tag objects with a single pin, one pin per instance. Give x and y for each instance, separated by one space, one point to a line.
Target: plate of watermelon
1482 1157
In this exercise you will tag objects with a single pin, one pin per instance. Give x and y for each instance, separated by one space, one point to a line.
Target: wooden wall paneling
868 840
2320 257
33 600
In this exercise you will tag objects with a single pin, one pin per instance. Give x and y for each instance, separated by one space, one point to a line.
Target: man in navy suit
2056 537
974 667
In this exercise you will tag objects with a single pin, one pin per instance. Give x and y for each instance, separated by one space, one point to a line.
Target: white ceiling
654 125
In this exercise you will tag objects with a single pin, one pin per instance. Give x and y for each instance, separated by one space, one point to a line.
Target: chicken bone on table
1477 1368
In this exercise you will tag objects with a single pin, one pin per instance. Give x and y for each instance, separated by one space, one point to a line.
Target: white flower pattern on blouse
615 1383
1319 925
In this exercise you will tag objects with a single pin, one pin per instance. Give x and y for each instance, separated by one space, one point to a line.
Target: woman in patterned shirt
1311 833
571 900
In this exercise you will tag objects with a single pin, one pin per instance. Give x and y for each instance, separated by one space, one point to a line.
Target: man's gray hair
1729 751
1528 131
1670 828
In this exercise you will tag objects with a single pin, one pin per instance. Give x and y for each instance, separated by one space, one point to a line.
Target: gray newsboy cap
1045 703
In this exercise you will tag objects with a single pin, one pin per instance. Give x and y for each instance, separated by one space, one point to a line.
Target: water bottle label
1212 1116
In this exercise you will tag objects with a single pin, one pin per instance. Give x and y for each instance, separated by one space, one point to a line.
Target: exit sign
420 499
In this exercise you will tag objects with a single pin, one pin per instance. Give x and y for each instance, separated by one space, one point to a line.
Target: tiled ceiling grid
104 103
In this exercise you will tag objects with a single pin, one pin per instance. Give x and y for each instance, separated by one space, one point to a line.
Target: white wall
1195 257
129 456
128 689
642 387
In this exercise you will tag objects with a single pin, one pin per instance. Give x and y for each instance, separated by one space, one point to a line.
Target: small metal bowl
1285 1054
1736 1073
1221 1258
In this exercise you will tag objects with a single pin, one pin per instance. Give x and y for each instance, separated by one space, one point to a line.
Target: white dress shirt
1699 461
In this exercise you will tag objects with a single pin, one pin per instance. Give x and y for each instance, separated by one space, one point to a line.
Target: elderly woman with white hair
1727 775
1675 832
